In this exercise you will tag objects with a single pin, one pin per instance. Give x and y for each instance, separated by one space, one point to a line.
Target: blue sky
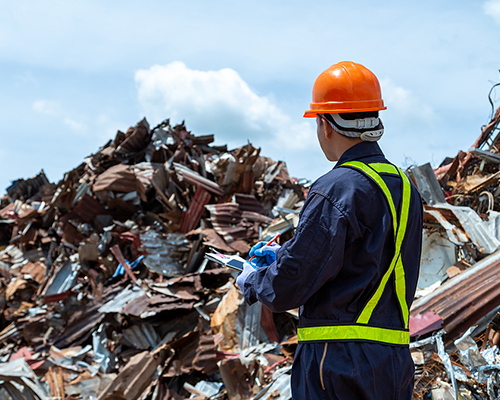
73 73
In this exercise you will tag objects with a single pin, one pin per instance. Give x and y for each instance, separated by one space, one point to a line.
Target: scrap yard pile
105 292
455 320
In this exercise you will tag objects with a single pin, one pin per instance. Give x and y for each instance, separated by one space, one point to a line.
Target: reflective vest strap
354 332
399 272
366 313
384 168
380 182
400 284
396 263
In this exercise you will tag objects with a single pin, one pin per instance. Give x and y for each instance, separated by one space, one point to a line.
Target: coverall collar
360 151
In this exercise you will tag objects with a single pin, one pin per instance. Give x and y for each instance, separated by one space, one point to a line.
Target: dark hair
359 115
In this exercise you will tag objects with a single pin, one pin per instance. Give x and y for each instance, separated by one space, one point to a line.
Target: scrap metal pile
455 320
105 292
104 289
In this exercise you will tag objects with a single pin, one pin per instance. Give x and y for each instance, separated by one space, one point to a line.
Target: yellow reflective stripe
403 221
378 180
400 282
353 332
396 263
386 168
366 313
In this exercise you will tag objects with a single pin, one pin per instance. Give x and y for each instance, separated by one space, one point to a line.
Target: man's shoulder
342 186
341 179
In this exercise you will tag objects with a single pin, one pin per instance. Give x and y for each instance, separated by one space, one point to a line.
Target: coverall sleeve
305 263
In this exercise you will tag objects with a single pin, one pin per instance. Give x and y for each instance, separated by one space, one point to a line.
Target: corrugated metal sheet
230 222
191 218
65 277
463 300
87 209
122 299
248 202
195 178
165 253
141 337
20 372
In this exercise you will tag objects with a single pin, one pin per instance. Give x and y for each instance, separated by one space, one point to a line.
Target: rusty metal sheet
120 178
248 202
35 270
25 189
87 209
232 224
226 320
195 178
176 291
191 218
145 307
193 351
464 299
212 239
133 379
136 139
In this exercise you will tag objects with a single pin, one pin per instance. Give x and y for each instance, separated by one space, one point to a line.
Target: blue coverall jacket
342 246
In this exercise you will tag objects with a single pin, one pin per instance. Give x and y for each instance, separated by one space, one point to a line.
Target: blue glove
248 269
264 255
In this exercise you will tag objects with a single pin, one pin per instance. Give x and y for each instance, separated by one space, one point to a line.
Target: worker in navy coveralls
352 265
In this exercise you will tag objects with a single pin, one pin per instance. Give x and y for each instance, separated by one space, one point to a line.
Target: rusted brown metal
191 218
465 299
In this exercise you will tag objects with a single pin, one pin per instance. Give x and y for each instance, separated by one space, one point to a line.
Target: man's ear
328 130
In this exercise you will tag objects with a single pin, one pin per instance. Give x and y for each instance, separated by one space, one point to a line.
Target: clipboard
232 262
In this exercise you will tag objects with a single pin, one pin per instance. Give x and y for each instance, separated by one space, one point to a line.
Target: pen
267 244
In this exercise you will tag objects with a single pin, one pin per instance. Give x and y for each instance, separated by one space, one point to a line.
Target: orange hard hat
346 87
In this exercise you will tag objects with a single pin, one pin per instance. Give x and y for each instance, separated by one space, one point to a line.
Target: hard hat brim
344 107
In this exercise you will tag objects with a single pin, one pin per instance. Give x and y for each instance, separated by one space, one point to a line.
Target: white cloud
54 109
492 8
75 125
47 107
407 106
220 102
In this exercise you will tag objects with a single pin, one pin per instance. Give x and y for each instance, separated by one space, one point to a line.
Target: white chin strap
364 127
363 123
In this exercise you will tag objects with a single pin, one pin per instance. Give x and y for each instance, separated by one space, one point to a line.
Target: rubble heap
455 320
104 289
105 292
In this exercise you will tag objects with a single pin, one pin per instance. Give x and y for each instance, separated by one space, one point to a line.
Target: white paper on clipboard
233 262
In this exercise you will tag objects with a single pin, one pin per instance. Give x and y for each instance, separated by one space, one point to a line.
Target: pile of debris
455 320
104 289
105 292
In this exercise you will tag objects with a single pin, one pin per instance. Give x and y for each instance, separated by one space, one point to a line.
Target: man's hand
264 254
248 269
